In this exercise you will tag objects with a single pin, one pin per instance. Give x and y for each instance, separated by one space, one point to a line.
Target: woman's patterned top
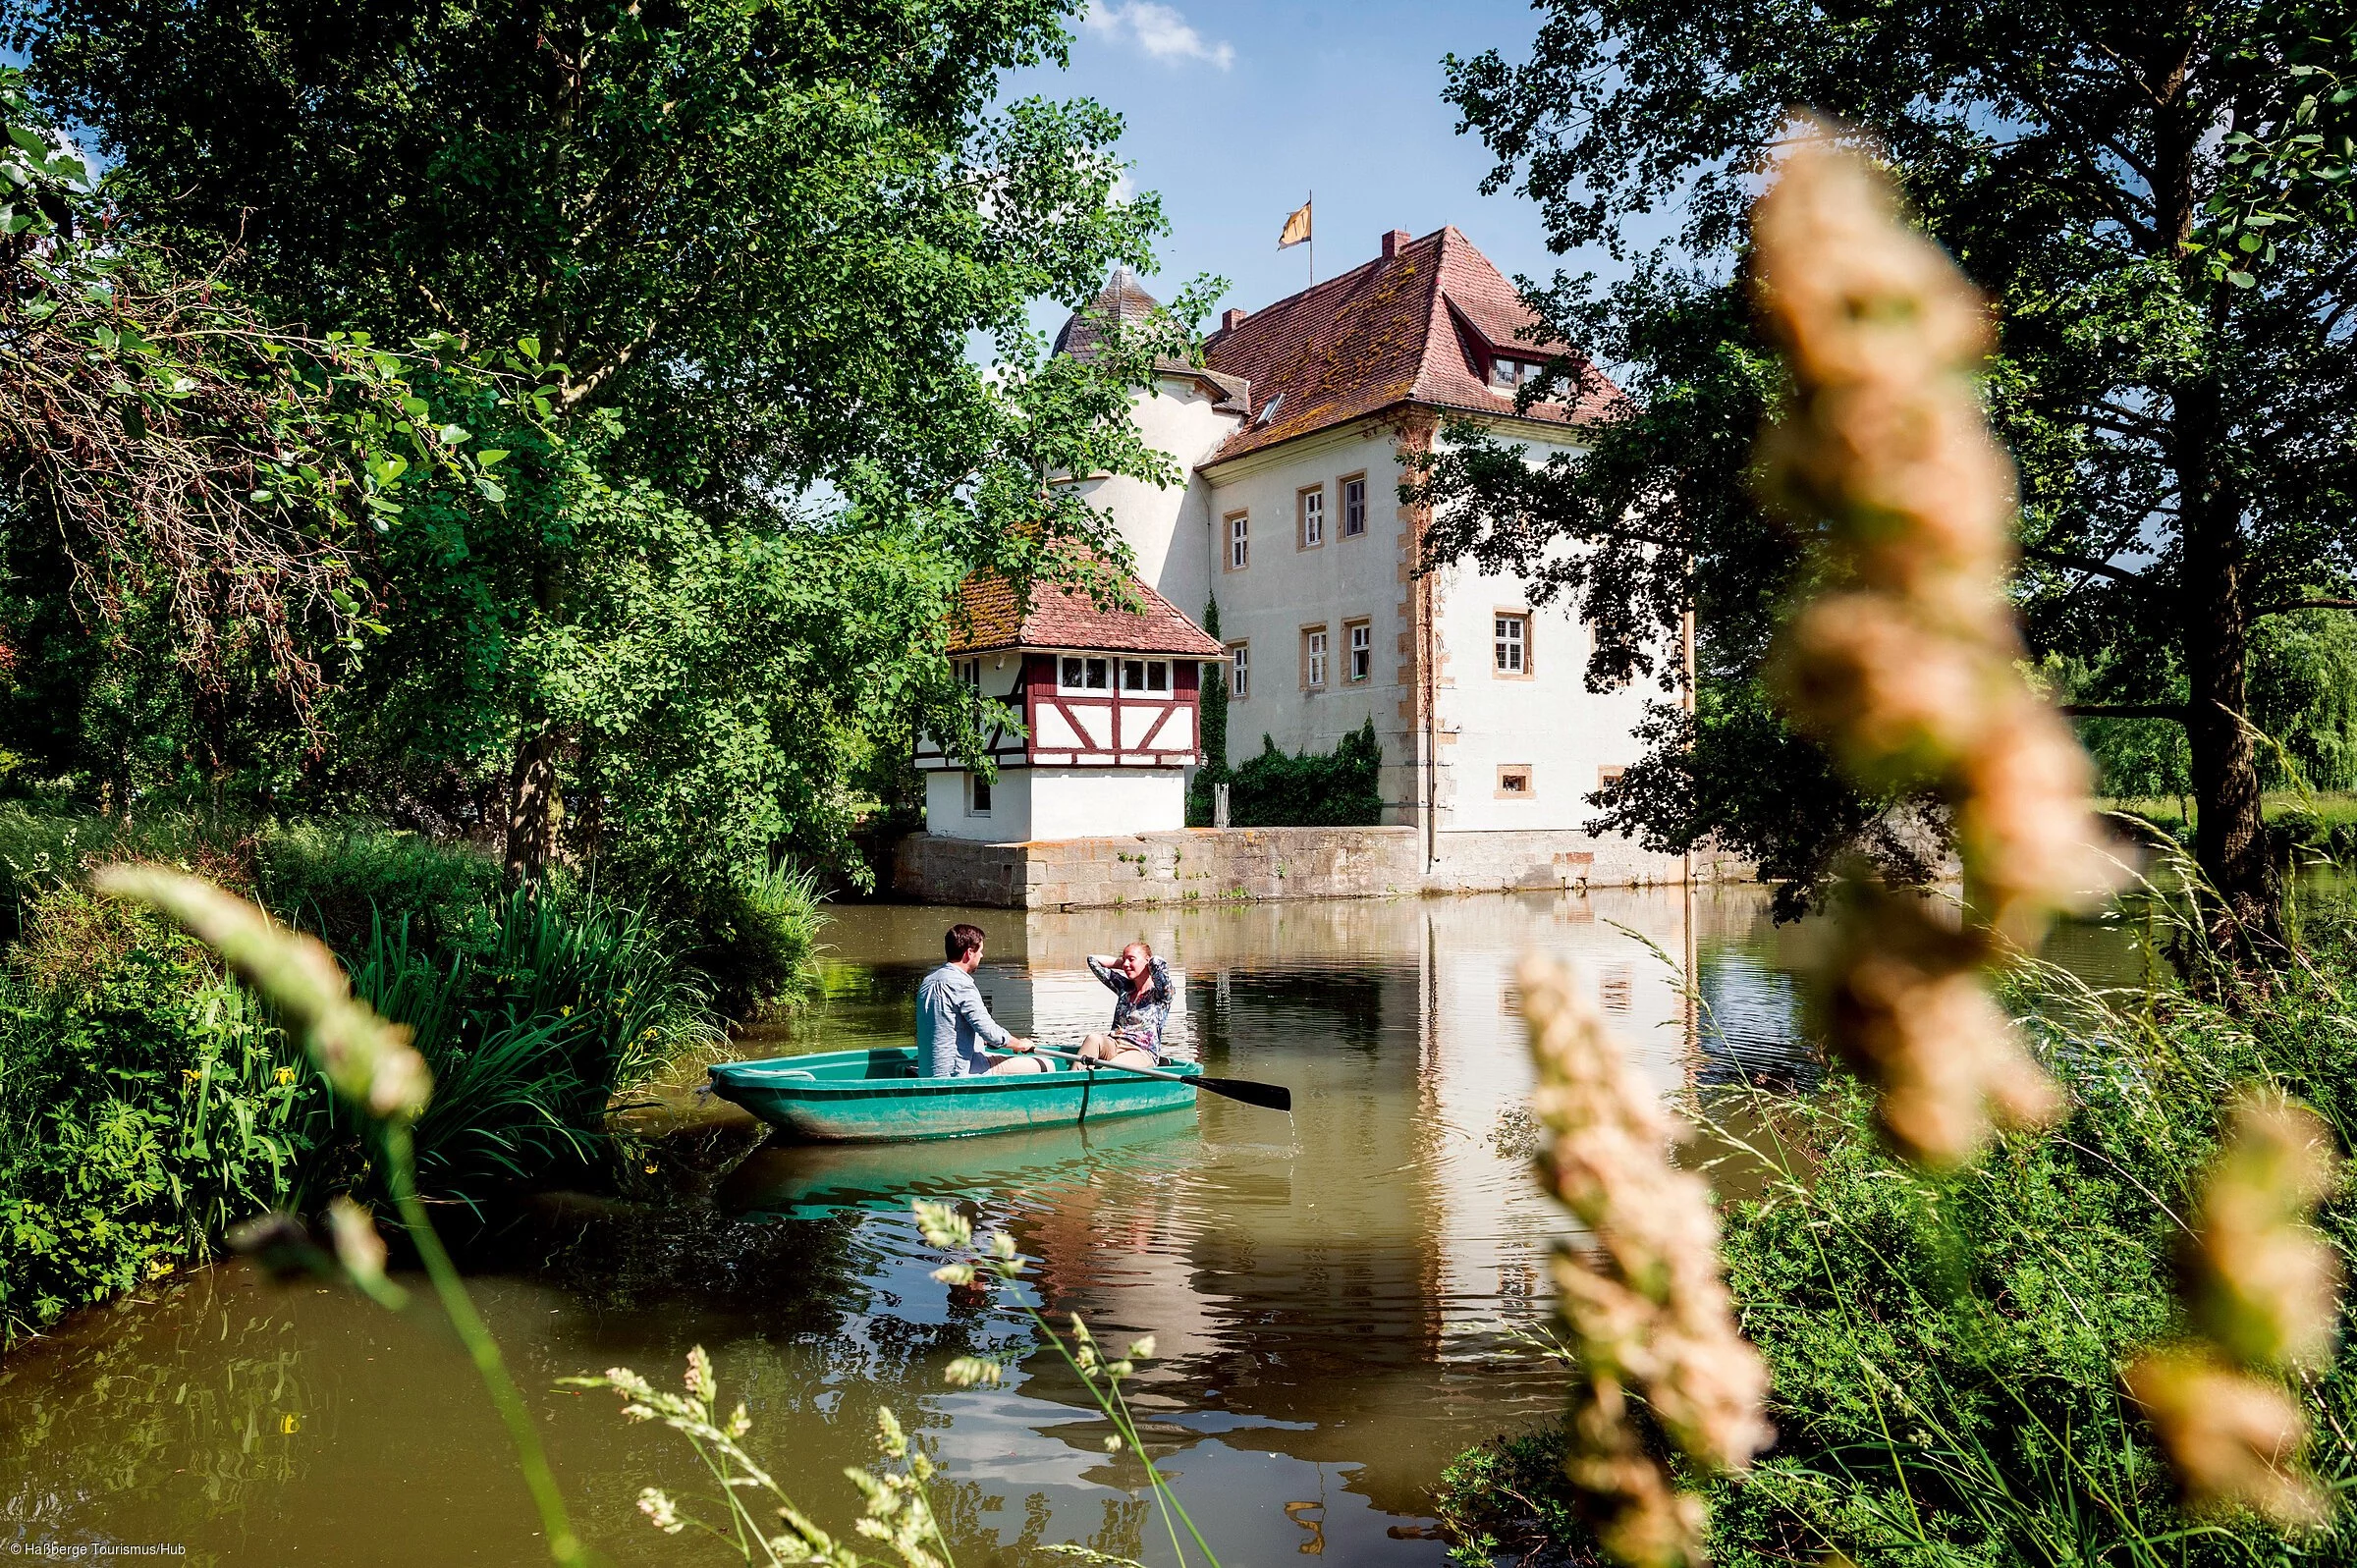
1139 1020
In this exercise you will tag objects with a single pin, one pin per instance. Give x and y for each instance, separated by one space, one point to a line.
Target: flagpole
1312 205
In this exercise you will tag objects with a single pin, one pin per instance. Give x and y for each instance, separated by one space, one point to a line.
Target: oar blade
1271 1095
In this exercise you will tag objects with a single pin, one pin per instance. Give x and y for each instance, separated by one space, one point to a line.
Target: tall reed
1643 1307
1905 664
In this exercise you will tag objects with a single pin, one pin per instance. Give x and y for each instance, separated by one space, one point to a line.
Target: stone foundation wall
1201 865
1509 859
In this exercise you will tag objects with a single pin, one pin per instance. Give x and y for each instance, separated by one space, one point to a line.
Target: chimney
1394 242
1232 320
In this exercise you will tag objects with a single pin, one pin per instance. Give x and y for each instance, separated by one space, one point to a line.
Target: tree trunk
532 806
2229 836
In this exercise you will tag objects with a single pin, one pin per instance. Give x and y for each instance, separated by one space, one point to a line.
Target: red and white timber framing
1091 727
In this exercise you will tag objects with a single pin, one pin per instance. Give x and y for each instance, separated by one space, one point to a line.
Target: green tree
2157 201
745 252
192 494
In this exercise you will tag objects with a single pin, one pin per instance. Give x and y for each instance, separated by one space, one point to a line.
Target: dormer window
1511 375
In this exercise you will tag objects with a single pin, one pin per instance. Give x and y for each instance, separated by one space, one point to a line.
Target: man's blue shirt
952 1025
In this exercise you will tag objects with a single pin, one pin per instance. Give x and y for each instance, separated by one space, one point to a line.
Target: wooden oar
1273 1097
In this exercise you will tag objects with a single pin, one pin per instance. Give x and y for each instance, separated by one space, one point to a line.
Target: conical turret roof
1123 300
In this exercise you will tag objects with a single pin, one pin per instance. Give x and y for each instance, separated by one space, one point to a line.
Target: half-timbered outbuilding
1108 705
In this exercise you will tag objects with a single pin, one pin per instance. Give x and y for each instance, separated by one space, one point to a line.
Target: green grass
2334 808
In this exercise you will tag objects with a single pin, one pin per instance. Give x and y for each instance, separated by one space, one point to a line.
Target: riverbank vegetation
1945 1352
149 1104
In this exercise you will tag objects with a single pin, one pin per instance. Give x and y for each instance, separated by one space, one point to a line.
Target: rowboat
783 1180
875 1096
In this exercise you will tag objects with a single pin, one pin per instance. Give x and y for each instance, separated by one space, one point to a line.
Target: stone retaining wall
1253 864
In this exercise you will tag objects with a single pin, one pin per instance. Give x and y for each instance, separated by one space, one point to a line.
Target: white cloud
1159 29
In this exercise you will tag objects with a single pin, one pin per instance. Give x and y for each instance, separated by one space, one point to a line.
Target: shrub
145 1104
1338 788
757 938
336 879
1507 1499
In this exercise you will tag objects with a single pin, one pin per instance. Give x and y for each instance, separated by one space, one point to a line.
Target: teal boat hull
875 1097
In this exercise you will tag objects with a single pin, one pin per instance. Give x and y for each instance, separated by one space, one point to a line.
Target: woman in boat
1141 1009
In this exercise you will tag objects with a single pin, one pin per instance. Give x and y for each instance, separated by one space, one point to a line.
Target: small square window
977 799
1100 674
1514 781
1071 675
1240 540
1355 506
1312 503
1361 649
1133 675
1609 776
1511 644
1158 675
1313 658
1240 669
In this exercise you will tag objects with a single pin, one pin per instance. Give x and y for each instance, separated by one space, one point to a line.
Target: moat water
1336 1296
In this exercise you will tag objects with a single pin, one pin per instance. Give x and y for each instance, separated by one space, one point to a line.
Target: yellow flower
565 1011
285 1075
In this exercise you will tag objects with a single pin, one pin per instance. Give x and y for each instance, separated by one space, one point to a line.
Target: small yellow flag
1296 230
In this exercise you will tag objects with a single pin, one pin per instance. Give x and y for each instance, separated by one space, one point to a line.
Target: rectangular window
1514 781
1609 776
1158 675
1070 676
1362 647
1355 506
977 802
1240 669
1240 540
1312 503
1099 673
1145 674
1511 644
969 674
1508 374
1313 658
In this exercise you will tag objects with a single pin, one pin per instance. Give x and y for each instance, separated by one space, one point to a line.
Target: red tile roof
989 616
1413 328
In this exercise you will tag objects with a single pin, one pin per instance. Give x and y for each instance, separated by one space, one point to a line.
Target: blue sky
1236 112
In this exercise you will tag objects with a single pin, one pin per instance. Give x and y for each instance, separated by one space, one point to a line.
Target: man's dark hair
961 939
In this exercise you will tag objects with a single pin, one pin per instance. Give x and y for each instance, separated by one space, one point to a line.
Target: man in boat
1141 984
952 1025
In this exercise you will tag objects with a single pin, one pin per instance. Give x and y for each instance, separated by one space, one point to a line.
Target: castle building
1293 436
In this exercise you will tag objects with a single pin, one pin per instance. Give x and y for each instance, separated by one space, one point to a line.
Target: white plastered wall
947 795
1100 802
1284 587
1046 803
1547 719
1179 419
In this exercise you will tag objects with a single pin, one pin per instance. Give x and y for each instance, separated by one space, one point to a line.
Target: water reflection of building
1336 1289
